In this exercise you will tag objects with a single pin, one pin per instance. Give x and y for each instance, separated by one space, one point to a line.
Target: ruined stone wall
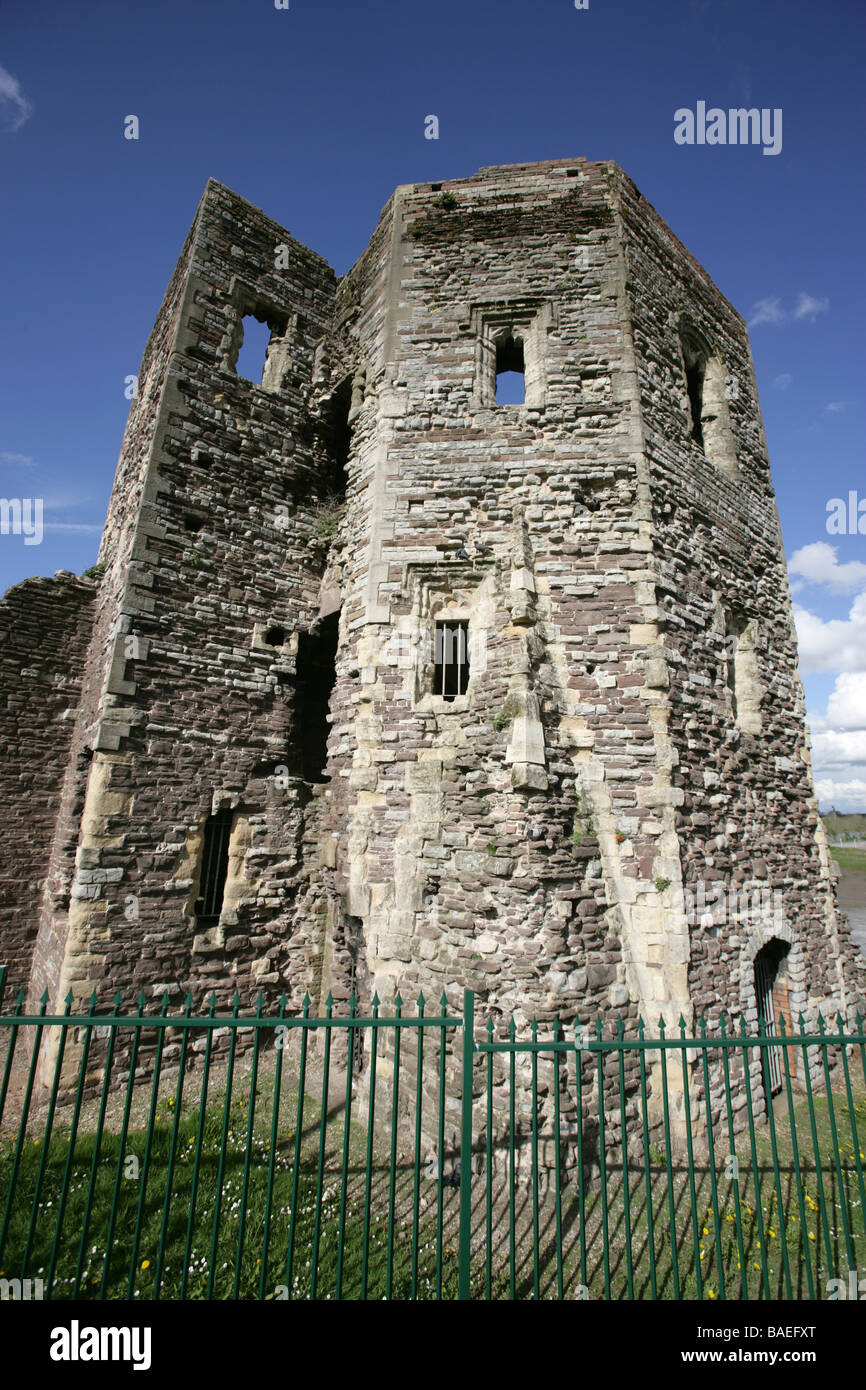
747 819
538 837
465 837
45 625
226 566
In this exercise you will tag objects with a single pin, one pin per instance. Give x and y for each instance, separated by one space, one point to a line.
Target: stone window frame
435 597
718 444
208 932
245 300
458 660
752 942
527 319
743 685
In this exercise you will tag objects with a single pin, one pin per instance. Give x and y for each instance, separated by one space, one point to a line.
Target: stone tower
384 681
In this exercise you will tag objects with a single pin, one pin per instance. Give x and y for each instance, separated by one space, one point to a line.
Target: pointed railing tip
375 1000
329 1002
43 998
306 1001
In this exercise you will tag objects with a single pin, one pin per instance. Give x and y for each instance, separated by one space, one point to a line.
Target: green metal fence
412 1154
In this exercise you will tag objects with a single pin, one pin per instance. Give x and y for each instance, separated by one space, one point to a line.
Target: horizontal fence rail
411 1154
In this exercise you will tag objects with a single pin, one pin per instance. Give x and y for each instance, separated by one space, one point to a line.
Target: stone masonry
615 815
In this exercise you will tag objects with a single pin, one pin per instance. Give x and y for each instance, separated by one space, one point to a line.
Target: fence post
465 1243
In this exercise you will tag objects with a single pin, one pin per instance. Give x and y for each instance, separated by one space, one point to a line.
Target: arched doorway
772 994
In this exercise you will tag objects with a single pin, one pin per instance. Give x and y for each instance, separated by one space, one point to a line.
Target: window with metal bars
214 866
451 660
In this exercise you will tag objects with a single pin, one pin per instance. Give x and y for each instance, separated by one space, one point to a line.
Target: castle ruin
382 681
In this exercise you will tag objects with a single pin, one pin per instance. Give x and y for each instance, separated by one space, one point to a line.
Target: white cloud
846 707
16 460
834 407
809 308
839 749
783 381
15 109
767 310
818 564
837 644
845 796
70 526
770 310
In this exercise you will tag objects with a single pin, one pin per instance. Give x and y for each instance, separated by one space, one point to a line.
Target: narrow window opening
773 1001
510 371
451 660
741 672
316 673
338 434
696 365
275 636
193 523
214 866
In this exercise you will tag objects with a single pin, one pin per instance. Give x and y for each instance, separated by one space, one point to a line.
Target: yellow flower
145 1264
811 1237
711 1293
706 1231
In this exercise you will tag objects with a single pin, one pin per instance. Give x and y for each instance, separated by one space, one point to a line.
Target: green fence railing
409 1155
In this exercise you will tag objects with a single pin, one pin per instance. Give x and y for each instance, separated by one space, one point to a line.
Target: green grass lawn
666 1232
854 860
214 1223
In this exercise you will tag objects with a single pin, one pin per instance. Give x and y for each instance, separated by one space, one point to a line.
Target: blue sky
316 112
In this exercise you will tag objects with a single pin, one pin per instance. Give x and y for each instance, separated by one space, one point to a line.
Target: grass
774 1225
730 1239
853 860
215 1223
